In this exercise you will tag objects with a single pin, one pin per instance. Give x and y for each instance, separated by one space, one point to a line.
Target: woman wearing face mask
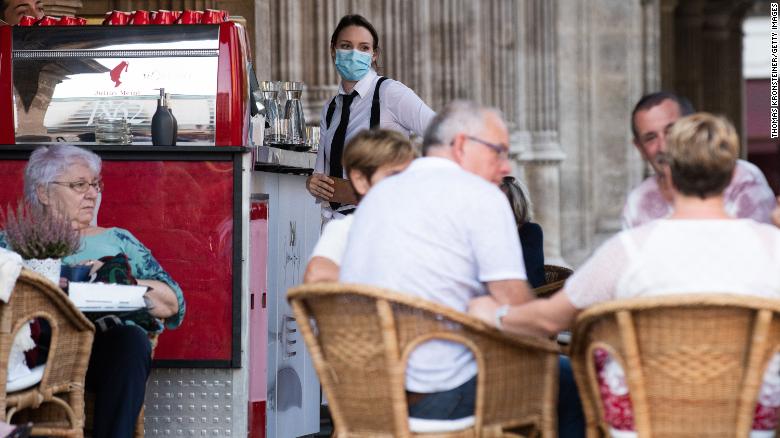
365 100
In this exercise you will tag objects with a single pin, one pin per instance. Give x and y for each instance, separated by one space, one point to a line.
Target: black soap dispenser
164 126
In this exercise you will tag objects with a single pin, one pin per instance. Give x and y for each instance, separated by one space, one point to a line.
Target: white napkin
10 266
17 366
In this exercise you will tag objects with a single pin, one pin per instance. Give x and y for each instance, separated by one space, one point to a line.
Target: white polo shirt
437 232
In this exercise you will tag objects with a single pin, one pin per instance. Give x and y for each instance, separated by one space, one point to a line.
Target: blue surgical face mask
352 65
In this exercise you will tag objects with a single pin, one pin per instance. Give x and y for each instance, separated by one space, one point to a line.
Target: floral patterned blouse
144 266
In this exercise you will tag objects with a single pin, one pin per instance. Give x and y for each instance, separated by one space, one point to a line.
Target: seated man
369 157
700 247
748 195
443 231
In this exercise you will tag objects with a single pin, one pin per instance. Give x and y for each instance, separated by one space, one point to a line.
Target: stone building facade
566 74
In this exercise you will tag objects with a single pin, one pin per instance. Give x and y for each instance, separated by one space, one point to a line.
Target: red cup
116 18
46 21
140 18
68 21
162 17
176 15
27 20
213 16
191 17
82 21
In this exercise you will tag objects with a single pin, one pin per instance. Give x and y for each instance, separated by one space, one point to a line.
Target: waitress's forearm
162 299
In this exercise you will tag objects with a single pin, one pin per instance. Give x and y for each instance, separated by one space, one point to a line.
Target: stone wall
566 74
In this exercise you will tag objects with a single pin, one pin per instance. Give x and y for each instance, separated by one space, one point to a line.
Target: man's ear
359 182
458 147
43 195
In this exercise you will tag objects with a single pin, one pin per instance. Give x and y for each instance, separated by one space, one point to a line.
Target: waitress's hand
776 213
320 186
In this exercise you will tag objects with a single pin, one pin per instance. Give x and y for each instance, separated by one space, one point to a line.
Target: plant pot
49 268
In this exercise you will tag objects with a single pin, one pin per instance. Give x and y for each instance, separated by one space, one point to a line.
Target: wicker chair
554 277
693 363
360 338
56 404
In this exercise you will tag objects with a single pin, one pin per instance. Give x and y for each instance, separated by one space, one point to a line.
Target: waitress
365 100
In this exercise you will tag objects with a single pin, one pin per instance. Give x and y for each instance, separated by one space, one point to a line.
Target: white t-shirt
333 240
675 256
400 109
437 232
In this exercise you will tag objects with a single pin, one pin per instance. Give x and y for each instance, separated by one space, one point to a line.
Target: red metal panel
232 128
7 131
11 180
257 419
182 211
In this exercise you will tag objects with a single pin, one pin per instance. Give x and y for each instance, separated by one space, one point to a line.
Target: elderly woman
698 248
65 180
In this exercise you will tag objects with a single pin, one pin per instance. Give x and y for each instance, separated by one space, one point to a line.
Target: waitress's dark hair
355 20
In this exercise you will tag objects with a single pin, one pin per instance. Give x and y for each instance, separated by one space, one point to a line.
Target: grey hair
521 204
460 116
47 163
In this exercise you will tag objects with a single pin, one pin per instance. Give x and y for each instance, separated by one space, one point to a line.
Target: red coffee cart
233 224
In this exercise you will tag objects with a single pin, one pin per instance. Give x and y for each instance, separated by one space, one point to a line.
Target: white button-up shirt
400 109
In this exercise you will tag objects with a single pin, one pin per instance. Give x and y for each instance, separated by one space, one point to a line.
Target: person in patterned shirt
747 196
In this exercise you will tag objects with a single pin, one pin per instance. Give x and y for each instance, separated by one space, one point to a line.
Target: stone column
723 83
59 8
536 145
706 55
98 7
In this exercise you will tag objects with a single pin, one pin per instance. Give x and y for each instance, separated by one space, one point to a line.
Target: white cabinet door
293 387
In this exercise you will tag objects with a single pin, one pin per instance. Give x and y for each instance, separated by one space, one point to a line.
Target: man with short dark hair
14 10
747 196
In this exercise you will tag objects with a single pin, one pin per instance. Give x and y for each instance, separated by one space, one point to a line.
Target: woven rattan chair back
554 278
56 404
693 363
360 338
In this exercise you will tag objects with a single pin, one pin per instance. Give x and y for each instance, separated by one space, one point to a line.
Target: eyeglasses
501 150
81 186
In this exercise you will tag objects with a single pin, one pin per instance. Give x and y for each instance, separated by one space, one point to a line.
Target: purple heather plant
35 233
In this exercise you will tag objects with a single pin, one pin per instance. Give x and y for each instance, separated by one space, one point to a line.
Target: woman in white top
354 48
698 248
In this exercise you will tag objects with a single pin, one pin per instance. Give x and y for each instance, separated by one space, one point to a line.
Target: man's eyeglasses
81 186
501 150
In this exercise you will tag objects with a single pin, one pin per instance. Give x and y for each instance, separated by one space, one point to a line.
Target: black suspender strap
374 122
375 105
